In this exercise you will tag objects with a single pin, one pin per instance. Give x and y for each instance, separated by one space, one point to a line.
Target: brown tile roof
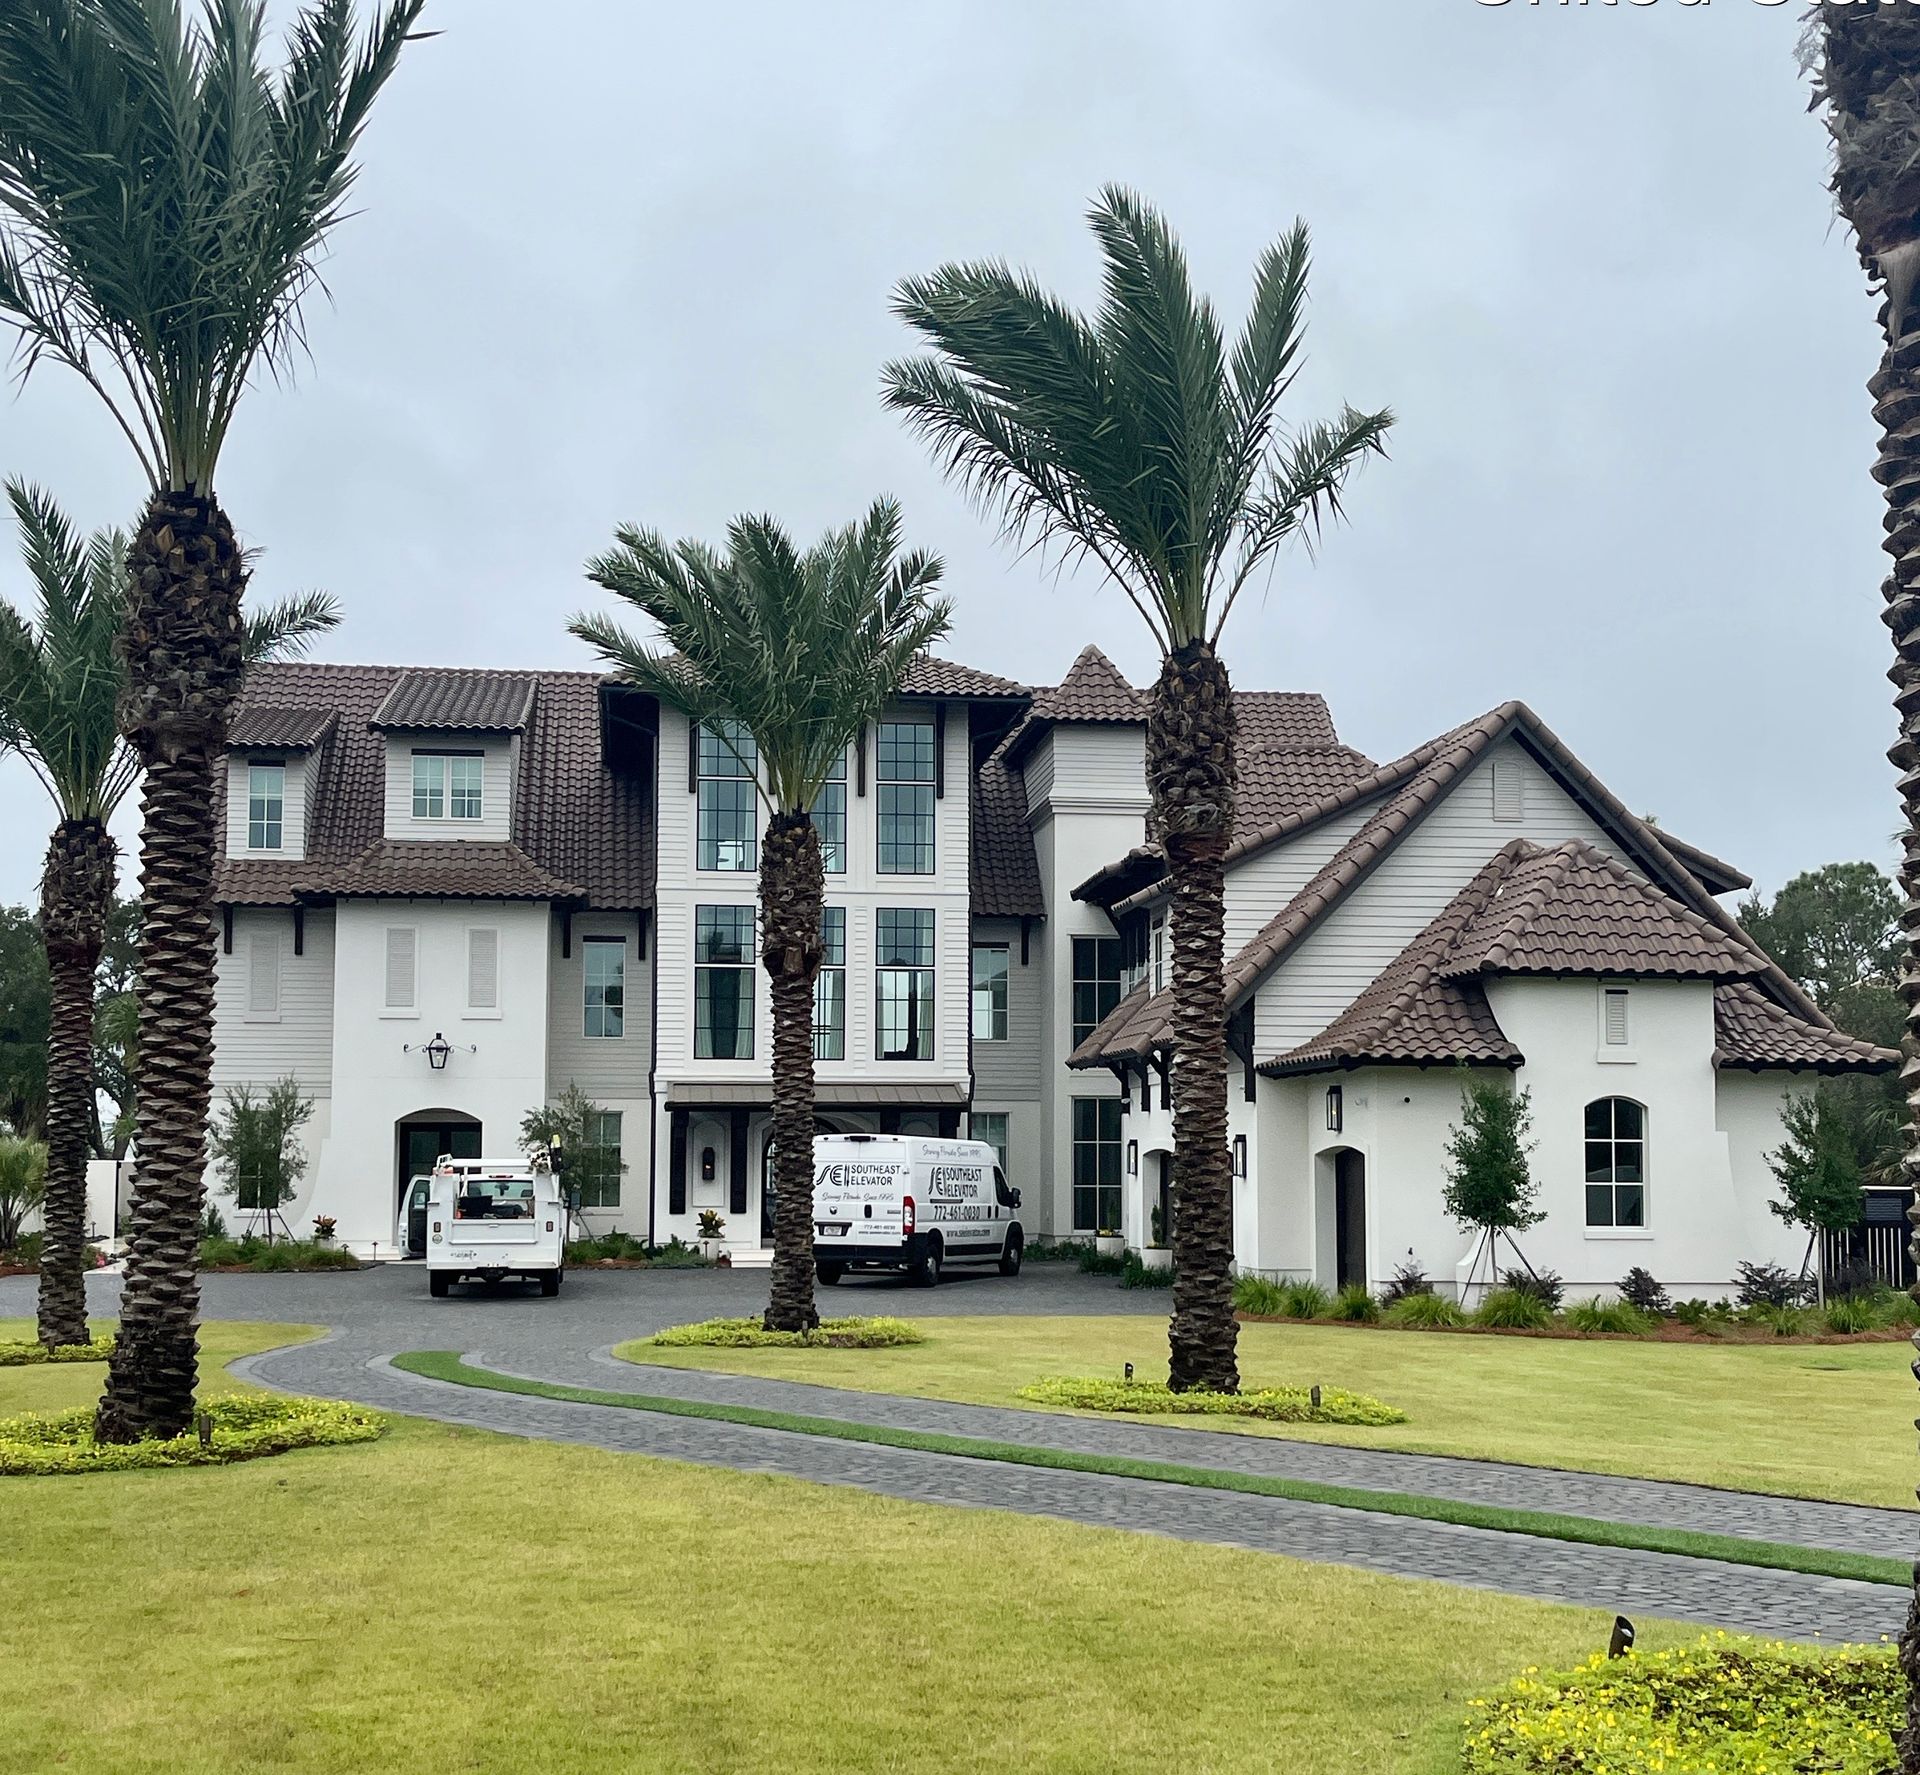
1094 689
1569 909
459 701
1276 781
1714 875
932 676
1283 718
587 828
455 870
1126 1032
1004 874
288 730
1753 1033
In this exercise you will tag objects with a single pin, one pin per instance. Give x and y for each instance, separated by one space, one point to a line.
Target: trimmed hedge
25 1355
750 1334
281 1255
1277 1405
245 1426
1721 1706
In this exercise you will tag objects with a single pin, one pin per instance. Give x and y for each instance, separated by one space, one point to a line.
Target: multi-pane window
903 769
604 962
990 992
266 806
991 1126
829 816
596 1168
1616 1163
830 987
723 982
448 785
725 811
1096 982
1159 955
903 984
1096 1164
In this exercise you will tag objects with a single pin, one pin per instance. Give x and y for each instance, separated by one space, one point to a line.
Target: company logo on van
955 1182
850 1176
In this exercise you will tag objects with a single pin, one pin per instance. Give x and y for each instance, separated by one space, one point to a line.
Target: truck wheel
1010 1258
550 1283
829 1273
437 1281
927 1271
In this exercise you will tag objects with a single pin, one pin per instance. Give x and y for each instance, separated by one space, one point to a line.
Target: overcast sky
633 264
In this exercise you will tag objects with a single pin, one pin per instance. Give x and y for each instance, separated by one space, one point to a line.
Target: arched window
1616 1163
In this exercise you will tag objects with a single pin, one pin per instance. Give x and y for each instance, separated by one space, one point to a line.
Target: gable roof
1404 792
458 702
931 676
585 832
277 729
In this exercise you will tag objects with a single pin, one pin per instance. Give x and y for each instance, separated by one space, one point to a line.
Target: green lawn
447 1600
1806 1420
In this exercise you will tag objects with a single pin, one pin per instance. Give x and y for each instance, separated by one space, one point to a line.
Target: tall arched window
1616 1163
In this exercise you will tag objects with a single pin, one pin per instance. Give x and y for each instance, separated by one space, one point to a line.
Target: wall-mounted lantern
1133 1158
709 1164
1336 1110
1239 1155
437 1050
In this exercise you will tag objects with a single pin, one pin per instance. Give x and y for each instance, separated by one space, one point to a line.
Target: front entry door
420 1144
1350 1217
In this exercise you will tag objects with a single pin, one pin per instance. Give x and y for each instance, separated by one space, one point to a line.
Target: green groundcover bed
26 1353
750 1334
1278 1405
1720 1706
240 1427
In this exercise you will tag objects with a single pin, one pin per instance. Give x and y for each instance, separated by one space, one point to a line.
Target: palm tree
796 652
60 685
1865 62
1133 439
164 198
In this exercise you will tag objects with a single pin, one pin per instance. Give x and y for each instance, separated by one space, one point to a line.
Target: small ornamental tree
256 1143
579 1125
1817 1171
1490 1187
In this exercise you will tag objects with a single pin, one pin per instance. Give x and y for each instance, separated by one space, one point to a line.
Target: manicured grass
1817 1421
446 1366
445 1600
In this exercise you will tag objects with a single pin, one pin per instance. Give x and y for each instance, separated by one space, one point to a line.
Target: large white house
449 894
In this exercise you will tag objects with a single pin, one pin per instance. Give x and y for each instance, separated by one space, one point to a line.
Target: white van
494 1218
898 1202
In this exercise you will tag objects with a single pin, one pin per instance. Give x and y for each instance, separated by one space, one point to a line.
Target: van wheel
829 1273
927 1271
437 1283
1010 1258
550 1283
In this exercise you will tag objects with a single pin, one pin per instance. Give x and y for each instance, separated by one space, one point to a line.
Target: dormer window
266 806
448 785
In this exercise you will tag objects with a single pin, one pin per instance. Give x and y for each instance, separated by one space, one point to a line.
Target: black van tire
829 1273
927 1271
550 1283
437 1284
1010 1257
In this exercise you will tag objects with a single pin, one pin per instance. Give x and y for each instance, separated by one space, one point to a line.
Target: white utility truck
494 1219
899 1202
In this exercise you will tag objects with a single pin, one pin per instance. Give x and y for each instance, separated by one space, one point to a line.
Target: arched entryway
418 1140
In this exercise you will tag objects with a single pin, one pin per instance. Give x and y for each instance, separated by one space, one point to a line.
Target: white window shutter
483 970
263 974
1616 1016
401 984
1509 790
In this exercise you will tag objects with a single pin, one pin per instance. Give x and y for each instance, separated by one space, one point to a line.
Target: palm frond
800 648
286 628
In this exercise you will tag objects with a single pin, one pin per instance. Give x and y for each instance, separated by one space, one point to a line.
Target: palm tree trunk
1190 771
792 885
76 894
183 651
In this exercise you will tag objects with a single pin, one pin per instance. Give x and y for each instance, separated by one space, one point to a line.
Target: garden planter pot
710 1249
1112 1244
1155 1257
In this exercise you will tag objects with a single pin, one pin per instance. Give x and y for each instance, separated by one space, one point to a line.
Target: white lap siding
295 1040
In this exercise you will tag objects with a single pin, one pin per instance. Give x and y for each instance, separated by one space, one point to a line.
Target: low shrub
1057 1250
1354 1305
1903 1311
1423 1312
242 1426
250 1253
1720 1705
1408 1279
1855 1278
1543 1285
1618 1316
1259 1296
1514 1309
25 1355
1849 1314
613 1247
1139 1274
677 1254
1768 1285
750 1334
1702 1315
1276 1405
1640 1291
1781 1321
1095 1262
1304 1300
